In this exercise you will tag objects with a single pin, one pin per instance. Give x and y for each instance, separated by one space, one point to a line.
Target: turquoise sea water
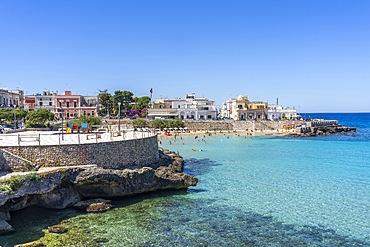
259 191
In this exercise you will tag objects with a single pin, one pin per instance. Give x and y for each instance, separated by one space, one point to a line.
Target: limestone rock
21 202
59 198
94 183
82 205
170 180
5 227
4 214
30 185
65 187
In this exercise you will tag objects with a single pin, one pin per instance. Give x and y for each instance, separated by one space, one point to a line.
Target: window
67 104
40 103
75 104
50 103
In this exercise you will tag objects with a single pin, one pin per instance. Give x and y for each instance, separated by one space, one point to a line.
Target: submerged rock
82 205
31 244
101 240
98 207
57 229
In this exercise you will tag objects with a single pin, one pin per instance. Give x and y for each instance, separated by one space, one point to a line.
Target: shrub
139 123
168 123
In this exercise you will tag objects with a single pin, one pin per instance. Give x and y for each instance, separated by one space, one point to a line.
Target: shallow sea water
259 191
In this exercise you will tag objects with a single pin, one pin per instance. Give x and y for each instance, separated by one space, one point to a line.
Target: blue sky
314 55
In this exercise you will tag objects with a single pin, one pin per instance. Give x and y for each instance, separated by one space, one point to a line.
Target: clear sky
314 55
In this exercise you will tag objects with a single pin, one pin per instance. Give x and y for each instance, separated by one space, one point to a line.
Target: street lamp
61 108
15 117
119 118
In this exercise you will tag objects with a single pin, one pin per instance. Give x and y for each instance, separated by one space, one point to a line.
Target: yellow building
243 109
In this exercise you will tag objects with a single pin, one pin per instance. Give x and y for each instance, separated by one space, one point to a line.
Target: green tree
135 107
176 123
8 114
106 100
170 123
38 118
125 98
141 103
90 120
20 113
139 123
157 123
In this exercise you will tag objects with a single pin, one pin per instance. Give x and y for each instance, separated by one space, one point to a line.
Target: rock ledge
64 187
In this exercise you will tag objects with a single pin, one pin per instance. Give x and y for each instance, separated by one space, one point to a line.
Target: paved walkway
33 138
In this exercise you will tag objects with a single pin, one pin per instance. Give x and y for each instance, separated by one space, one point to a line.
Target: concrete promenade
44 138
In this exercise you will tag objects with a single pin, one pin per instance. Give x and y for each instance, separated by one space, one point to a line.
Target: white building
191 107
277 112
11 98
45 101
241 108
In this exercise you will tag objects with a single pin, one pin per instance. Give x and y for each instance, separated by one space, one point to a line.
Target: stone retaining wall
233 125
13 163
209 125
258 125
118 154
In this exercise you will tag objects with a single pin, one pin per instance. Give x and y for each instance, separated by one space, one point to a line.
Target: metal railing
57 138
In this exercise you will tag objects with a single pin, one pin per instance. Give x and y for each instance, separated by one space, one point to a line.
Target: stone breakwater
116 154
321 130
64 187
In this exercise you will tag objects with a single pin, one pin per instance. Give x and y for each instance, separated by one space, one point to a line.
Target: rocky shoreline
321 131
65 187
